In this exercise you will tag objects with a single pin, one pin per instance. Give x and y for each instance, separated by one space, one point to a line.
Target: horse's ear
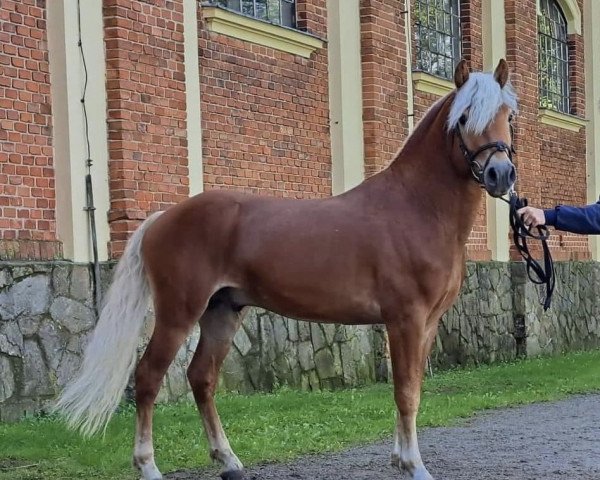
501 73
461 73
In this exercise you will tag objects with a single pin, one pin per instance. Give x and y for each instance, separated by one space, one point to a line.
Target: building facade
143 103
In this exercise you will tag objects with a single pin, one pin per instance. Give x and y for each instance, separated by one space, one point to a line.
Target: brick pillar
311 16
522 57
472 41
27 191
385 100
577 71
472 51
148 166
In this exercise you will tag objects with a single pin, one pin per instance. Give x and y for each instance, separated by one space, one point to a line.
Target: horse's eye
462 120
510 118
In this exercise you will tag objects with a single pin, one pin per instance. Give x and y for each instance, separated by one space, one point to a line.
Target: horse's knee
407 401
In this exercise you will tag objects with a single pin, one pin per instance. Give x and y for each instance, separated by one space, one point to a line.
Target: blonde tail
90 399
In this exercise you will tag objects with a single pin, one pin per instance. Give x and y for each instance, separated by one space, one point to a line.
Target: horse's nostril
493 176
512 175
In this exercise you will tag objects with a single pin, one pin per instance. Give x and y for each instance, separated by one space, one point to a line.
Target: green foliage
285 424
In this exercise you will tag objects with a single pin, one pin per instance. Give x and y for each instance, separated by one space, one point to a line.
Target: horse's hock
46 316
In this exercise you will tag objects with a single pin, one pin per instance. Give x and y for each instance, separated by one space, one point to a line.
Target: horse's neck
424 173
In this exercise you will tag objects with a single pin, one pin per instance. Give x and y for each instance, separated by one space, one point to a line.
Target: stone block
72 315
305 356
317 336
5 278
280 333
30 296
11 339
81 283
36 378
242 342
324 363
53 343
7 379
61 277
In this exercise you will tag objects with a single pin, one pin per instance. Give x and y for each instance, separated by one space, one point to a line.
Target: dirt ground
549 441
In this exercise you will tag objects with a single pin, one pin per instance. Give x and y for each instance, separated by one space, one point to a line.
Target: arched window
553 57
437 32
280 12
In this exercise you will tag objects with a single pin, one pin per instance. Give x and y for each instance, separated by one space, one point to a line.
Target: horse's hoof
421 473
148 471
233 475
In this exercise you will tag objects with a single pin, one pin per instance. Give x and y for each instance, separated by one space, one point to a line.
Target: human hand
532 217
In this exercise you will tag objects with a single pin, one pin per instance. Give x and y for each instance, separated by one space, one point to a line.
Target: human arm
583 220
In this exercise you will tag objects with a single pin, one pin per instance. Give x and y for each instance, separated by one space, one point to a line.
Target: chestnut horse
389 251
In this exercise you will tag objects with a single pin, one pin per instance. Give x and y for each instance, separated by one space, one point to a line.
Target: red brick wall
385 100
472 41
27 196
265 114
146 111
472 51
522 57
577 70
563 180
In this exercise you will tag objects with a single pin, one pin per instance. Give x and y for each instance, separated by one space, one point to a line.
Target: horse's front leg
410 340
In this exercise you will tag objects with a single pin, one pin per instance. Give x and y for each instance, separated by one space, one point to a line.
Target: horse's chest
447 287
454 283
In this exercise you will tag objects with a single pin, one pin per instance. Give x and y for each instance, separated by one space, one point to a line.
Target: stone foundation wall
47 314
479 328
573 320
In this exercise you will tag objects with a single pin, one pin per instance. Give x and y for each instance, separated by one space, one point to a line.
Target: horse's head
480 117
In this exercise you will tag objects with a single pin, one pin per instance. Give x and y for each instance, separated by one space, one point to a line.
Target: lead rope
536 273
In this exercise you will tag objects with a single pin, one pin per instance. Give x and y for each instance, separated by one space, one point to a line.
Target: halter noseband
476 170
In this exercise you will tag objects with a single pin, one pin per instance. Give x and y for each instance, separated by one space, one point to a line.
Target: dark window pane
281 12
553 57
261 9
274 11
437 35
233 4
248 7
288 13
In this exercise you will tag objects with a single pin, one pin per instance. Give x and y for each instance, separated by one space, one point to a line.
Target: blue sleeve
584 220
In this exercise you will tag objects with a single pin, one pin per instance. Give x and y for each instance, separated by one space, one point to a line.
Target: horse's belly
309 302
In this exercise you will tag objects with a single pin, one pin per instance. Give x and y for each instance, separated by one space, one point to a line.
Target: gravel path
548 441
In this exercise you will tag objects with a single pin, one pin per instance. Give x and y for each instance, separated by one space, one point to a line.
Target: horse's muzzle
499 176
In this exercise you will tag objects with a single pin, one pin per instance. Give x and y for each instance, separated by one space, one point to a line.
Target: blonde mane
482 96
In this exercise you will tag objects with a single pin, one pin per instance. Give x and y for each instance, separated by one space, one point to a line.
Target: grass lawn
280 426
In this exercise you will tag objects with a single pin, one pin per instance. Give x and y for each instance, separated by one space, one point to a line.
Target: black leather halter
477 170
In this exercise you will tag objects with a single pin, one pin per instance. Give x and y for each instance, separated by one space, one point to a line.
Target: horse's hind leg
171 329
218 326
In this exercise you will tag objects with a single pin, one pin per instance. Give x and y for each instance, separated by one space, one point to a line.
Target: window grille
553 55
437 31
280 12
